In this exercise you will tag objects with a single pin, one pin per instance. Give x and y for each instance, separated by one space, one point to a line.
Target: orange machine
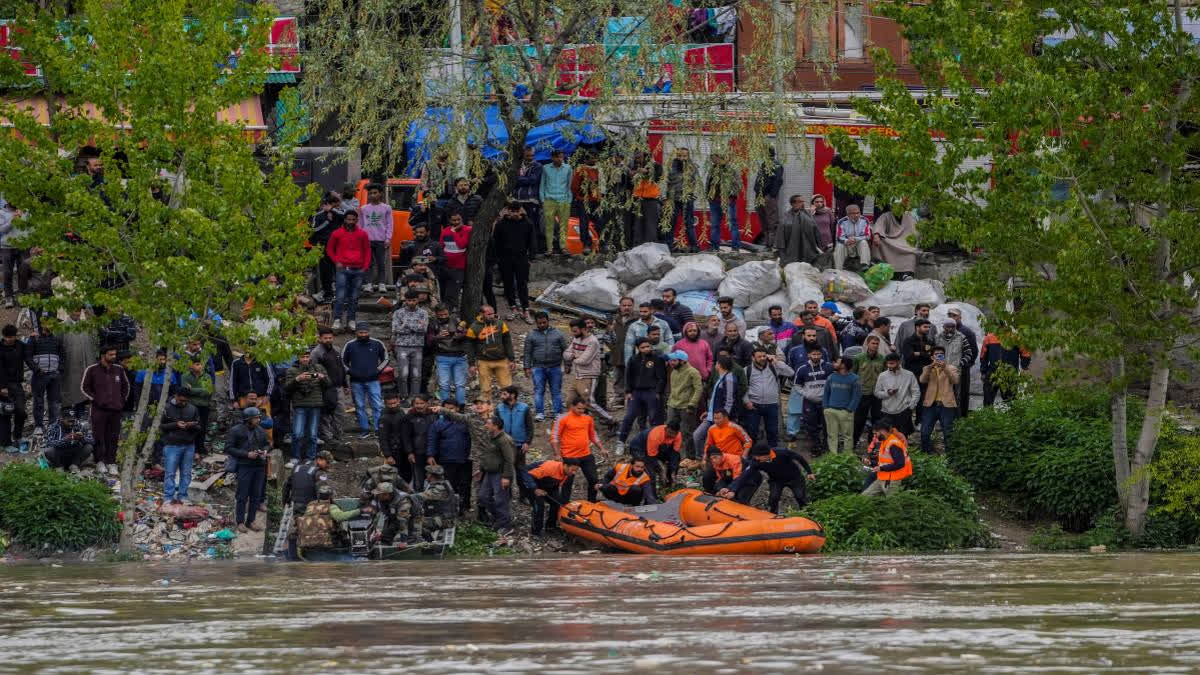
690 522
403 193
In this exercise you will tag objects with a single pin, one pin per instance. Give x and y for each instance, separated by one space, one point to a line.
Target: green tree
1086 219
185 221
371 67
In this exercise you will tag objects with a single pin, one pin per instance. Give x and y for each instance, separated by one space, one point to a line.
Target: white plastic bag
900 298
844 286
800 288
594 288
702 272
704 304
751 282
803 269
642 262
760 311
645 292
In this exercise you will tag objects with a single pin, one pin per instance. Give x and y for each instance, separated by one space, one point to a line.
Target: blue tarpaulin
563 135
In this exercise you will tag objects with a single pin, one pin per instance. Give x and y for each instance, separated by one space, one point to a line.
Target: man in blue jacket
365 357
843 393
449 446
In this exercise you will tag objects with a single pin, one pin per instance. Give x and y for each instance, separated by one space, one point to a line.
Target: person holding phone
247 442
940 403
179 426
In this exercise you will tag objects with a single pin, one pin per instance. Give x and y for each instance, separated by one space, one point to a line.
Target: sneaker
320 441
319 298
539 418
242 529
101 468
112 470
9 303
290 465
73 469
368 288
620 447
39 431
255 527
352 326
906 277
337 325
24 446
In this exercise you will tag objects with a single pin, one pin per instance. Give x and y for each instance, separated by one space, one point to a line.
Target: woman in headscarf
890 242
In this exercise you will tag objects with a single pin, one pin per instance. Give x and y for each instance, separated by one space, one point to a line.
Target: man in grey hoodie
583 359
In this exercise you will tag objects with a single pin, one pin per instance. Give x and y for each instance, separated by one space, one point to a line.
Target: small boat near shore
690 522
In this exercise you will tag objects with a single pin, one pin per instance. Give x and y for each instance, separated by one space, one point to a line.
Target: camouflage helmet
384 488
325 455
324 490
436 470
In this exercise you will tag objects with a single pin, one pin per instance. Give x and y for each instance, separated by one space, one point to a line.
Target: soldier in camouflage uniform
376 475
435 507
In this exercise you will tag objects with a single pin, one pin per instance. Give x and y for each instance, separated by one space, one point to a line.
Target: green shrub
908 520
932 476
473 539
987 449
1109 531
836 474
40 508
1074 482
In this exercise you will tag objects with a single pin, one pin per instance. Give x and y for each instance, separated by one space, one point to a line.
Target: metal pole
456 51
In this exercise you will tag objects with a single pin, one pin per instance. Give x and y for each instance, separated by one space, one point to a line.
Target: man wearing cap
898 392
645 383
247 442
761 401
968 361
300 488
961 354
686 388
180 423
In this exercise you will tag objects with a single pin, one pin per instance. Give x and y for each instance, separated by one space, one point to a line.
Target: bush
836 474
908 520
43 508
932 476
1074 482
987 449
475 540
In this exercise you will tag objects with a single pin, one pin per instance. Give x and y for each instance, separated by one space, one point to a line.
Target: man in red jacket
454 244
350 250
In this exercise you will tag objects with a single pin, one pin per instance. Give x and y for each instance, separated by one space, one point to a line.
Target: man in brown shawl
890 242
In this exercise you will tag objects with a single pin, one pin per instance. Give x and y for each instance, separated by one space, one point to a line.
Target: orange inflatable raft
690 522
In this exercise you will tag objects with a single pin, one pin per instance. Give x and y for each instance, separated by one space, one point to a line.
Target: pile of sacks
755 286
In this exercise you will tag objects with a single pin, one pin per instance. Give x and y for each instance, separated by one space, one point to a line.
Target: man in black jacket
323 224
645 383
414 440
767 185
785 469
463 202
247 442
47 358
180 423
328 357
14 356
391 430
513 239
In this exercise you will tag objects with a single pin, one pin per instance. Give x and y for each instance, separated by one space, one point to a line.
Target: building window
853 32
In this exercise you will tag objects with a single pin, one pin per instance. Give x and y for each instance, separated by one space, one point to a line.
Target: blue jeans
347 283
541 378
362 392
936 413
177 459
769 415
715 213
452 369
304 432
688 210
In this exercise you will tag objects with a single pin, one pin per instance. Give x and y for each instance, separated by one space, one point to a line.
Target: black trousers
63 457
202 433
868 409
514 274
325 271
799 490
12 427
587 467
413 472
635 496
545 509
664 466
458 474
251 488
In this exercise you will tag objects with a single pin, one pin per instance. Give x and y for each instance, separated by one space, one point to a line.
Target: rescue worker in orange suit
550 481
722 470
629 484
893 465
784 469
660 446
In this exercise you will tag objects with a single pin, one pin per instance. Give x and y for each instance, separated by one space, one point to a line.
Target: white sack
801 288
703 304
751 282
594 288
702 272
760 311
900 298
642 262
644 292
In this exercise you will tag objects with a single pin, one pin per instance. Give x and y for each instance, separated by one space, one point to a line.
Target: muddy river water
611 614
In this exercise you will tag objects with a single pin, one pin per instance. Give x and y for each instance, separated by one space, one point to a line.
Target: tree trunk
135 457
1139 490
1120 434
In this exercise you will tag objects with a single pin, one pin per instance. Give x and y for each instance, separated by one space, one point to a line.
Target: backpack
314 529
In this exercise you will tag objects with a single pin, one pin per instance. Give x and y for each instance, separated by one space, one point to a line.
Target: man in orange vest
550 481
660 446
721 471
894 464
629 483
